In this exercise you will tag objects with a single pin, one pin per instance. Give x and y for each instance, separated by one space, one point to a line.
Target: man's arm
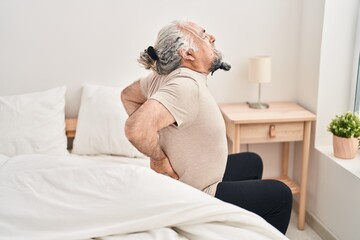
132 97
142 129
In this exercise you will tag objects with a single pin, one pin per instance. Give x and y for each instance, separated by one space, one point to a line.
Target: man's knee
250 159
246 155
255 157
282 192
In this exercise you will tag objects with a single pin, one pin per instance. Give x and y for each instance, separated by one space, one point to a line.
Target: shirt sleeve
145 84
181 98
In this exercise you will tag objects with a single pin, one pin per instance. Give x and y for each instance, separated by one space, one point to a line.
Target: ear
187 55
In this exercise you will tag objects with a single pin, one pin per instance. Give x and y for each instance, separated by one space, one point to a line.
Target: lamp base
258 105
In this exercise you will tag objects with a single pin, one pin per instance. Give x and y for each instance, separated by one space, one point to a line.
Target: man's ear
187 55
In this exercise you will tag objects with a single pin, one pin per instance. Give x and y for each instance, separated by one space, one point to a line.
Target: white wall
336 63
324 86
64 42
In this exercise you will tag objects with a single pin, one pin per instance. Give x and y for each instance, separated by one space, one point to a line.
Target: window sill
351 165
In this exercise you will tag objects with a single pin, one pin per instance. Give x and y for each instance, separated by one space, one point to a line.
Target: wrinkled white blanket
72 197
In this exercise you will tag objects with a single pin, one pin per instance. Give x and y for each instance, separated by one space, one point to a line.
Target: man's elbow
123 95
132 132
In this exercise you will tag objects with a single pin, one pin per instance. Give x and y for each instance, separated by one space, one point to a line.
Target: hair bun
152 53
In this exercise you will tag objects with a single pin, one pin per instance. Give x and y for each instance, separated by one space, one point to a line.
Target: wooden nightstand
282 122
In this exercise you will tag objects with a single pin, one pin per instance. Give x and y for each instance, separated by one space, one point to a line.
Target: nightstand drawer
271 132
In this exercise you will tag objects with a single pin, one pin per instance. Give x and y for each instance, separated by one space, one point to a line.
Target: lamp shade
260 69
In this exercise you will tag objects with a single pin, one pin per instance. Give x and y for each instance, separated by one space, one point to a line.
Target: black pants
242 186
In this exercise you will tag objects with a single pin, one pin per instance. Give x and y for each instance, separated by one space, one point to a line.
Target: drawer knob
272 131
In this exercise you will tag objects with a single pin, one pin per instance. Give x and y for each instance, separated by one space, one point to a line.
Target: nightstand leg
304 173
236 142
285 159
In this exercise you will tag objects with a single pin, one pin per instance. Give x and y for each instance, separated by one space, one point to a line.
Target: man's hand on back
163 167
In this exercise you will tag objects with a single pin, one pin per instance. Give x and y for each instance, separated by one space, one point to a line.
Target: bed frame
70 127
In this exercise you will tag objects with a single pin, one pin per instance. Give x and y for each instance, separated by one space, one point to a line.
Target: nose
212 38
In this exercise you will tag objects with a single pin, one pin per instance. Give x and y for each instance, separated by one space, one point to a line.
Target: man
174 120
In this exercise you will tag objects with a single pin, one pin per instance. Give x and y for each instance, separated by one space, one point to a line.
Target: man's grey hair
170 40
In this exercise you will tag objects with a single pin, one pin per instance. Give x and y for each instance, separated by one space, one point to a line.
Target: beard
218 63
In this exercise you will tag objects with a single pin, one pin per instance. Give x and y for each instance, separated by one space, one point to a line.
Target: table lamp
259 72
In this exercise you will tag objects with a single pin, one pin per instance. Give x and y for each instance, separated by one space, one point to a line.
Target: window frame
357 88
355 99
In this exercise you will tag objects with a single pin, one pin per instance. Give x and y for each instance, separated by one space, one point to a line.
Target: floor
294 234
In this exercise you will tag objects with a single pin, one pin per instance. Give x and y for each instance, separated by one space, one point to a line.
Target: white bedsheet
3 159
72 197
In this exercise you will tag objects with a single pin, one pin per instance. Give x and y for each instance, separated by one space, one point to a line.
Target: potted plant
346 132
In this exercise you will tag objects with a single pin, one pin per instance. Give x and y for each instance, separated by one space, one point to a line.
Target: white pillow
100 125
33 123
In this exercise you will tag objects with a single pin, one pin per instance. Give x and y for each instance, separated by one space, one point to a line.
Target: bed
102 188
